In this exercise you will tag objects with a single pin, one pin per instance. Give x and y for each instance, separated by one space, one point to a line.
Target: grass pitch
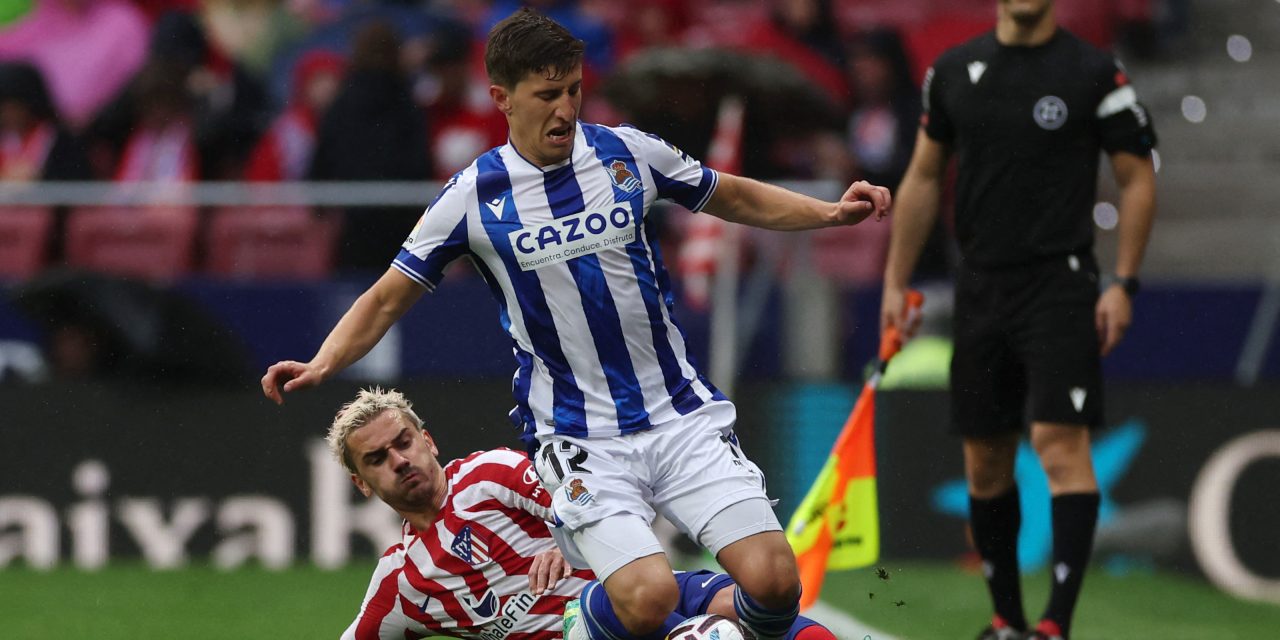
938 601
927 601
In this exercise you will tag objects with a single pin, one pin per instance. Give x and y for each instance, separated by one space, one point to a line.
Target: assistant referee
1026 110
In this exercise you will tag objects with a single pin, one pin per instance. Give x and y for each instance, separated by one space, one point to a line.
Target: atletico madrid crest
471 548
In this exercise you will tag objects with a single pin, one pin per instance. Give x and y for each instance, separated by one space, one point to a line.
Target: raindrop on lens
1194 109
1239 48
1105 215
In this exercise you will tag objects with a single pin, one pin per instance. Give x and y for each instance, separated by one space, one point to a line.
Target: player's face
1026 11
397 462
541 114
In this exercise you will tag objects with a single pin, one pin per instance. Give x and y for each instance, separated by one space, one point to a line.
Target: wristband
1129 284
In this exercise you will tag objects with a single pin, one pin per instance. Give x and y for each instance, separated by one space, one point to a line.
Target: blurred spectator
464 122
812 24
87 49
286 150
413 23
660 23
251 32
886 107
228 106
33 144
373 131
802 33
882 130
160 146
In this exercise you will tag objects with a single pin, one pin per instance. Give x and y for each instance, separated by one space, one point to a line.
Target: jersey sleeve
380 617
526 492
678 176
934 118
1123 123
439 238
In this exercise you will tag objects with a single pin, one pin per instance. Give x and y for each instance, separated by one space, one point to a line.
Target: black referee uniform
1027 125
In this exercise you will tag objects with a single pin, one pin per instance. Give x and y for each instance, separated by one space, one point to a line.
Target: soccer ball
709 627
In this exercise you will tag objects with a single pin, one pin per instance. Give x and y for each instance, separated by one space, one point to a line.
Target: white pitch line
843 625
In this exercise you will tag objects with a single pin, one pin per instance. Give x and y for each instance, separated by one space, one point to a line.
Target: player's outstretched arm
913 217
746 201
363 325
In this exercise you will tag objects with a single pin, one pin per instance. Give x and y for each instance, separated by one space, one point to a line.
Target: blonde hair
369 404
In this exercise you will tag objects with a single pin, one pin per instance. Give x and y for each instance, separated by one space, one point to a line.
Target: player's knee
1062 452
644 605
989 465
776 582
987 482
1064 470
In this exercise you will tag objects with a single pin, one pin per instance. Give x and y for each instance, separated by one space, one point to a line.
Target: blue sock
801 624
766 624
603 623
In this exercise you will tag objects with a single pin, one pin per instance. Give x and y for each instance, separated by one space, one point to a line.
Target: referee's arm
1136 177
913 217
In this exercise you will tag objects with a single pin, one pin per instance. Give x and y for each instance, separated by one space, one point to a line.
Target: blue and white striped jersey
573 261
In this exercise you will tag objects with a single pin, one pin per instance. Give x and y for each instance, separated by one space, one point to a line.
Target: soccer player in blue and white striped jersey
620 424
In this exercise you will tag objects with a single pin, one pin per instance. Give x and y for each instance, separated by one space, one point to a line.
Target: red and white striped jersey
467 576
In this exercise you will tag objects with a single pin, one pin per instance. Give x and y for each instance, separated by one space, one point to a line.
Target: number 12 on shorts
556 457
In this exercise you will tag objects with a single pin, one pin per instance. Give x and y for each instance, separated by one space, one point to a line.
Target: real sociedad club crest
470 548
578 493
623 177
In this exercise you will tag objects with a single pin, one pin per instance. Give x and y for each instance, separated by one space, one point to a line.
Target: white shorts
689 470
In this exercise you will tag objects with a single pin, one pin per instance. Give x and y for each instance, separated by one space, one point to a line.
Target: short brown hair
529 41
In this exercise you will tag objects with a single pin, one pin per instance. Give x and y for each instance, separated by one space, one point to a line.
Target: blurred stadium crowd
182 91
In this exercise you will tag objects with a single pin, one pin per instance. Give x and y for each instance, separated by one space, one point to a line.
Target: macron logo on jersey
976 69
470 548
580 234
495 206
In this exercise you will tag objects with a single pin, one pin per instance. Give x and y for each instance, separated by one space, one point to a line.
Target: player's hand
894 312
287 375
547 570
861 200
1112 317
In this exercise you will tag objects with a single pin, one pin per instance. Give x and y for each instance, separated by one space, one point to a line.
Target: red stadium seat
271 243
24 239
150 242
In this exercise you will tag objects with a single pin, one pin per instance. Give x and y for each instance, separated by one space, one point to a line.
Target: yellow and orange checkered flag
837 525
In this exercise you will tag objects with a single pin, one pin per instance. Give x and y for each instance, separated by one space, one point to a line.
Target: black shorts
1026 347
